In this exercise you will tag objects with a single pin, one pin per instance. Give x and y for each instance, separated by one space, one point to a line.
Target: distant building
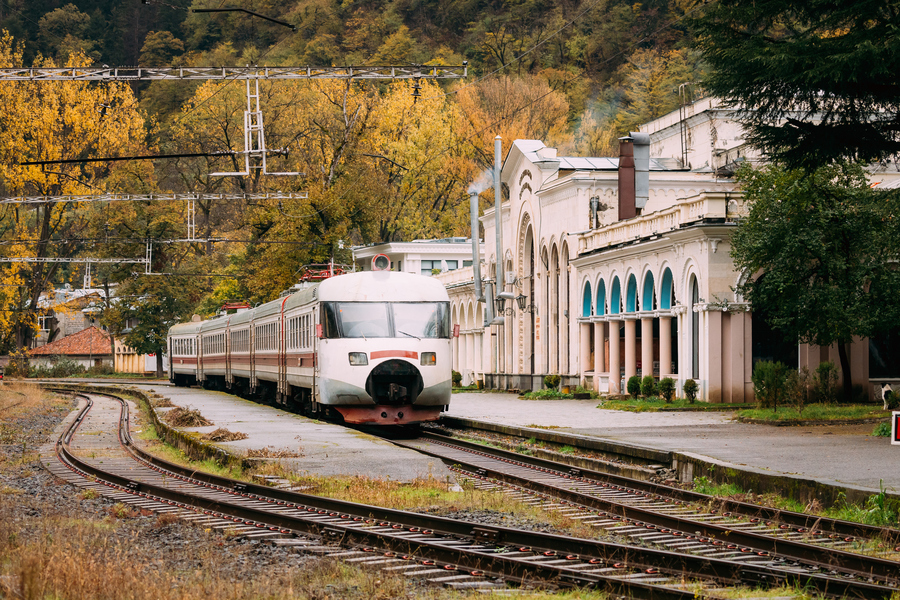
89 347
423 257
66 311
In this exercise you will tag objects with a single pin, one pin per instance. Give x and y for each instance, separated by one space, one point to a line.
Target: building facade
621 266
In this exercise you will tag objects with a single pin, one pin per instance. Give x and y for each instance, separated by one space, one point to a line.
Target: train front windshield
385 319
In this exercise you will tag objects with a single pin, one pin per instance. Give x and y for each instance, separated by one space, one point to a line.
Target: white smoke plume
482 182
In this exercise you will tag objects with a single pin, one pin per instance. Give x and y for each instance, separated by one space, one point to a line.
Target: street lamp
521 299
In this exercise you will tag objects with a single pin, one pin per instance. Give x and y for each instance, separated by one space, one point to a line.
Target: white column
585 348
665 346
646 346
714 355
630 354
614 363
599 354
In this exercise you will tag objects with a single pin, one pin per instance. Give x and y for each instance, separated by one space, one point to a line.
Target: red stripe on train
394 354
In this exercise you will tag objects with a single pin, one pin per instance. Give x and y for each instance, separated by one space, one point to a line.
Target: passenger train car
369 347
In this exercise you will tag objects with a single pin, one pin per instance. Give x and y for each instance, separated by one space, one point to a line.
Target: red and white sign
895 428
456 330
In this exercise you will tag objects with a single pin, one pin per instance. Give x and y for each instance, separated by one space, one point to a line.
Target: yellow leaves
59 121
514 108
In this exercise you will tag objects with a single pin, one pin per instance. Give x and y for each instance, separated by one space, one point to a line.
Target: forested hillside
382 161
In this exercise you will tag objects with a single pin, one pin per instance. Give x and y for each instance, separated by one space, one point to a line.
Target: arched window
631 294
601 298
667 293
615 298
647 294
586 305
695 329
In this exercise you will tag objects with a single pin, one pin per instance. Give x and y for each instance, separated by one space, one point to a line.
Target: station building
622 266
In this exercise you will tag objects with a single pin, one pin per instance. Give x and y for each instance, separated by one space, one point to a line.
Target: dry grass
181 416
162 402
433 496
76 559
19 398
223 435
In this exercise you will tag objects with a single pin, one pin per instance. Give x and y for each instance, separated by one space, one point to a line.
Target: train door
228 377
252 333
200 355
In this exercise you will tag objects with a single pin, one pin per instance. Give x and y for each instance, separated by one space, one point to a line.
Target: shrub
634 385
456 377
690 388
769 382
101 369
667 388
892 400
825 383
648 386
60 366
882 430
551 381
799 389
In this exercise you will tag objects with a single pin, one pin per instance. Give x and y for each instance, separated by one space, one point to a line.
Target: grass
878 510
656 404
547 394
814 412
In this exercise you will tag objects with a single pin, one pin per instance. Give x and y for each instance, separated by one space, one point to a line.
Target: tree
160 49
151 305
817 77
514 108
50 121
825 244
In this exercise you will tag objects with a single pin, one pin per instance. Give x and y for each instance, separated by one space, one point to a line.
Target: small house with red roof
89 347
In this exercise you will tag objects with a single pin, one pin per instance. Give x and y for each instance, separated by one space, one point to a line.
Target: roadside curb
805 423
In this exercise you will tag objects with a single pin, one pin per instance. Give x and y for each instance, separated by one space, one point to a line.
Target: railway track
680 520
450 552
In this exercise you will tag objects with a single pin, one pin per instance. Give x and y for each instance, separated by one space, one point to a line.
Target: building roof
86 342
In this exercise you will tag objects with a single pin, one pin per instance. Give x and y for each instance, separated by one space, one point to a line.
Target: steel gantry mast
105 73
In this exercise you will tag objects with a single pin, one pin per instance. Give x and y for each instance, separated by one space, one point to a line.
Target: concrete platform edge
643 454
690 466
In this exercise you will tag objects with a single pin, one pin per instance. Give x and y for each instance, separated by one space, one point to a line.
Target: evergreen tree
818 77
824 243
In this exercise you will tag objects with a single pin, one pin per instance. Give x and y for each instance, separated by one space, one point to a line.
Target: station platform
847 456
318 448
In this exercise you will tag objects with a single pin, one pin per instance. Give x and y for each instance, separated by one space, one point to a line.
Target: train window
328 317
421 319
363 319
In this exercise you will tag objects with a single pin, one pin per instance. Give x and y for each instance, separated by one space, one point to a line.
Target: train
371 347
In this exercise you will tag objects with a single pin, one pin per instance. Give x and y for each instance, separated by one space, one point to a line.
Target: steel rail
795 519
674 564
862 566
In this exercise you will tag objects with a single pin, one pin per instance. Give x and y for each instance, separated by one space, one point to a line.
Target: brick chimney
627 208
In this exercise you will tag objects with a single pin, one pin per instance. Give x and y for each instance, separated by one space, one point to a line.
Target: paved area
847 455
321 448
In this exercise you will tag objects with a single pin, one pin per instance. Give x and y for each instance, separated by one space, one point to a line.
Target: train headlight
428 358
358 358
